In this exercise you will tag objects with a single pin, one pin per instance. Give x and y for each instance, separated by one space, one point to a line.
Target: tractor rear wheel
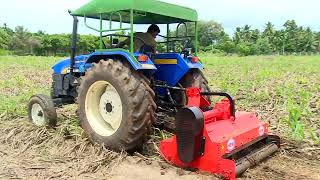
195 78
115 105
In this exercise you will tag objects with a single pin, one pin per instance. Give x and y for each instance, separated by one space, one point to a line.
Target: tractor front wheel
115 105
41 111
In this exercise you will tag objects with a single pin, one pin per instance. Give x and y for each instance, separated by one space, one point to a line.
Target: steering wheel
185 49
145 48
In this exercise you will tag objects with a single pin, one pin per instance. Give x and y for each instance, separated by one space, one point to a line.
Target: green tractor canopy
145 11
137 12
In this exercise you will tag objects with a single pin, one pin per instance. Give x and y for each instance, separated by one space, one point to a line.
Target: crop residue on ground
284 90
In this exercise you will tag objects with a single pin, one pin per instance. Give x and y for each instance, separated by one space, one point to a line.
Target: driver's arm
123 43
154 46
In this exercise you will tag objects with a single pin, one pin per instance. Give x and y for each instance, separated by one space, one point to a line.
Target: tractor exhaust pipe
73 43
255 158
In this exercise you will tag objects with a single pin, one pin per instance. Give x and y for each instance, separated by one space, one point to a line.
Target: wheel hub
37 115
109 107
40 113
103 108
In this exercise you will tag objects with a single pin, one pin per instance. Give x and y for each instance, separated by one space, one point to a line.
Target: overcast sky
52 17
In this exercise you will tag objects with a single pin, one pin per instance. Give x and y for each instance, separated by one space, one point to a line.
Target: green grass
4 52
20 78
283 90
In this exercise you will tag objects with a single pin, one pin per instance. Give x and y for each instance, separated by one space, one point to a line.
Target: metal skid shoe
218 141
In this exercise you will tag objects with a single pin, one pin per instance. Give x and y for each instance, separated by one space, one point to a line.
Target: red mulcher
217 141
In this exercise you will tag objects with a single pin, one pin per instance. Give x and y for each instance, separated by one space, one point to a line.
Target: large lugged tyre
195 78
115 105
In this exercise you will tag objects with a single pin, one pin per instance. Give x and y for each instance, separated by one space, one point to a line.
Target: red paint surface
219 129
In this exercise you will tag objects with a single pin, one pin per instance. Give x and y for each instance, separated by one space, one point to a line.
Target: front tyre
115 105
41 111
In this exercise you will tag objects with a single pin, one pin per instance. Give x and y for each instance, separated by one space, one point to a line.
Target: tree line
212 38
22 42
290 39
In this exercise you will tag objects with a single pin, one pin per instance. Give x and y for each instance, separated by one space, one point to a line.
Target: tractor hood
63 66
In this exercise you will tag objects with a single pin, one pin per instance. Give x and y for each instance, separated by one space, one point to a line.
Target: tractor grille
189 128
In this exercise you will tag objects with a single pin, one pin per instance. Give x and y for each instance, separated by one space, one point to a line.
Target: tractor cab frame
136 12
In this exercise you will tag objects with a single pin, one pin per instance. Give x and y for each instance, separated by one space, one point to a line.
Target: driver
147 37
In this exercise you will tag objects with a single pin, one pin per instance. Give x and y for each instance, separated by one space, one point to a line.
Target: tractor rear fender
84 62
63 80
172 67
122 55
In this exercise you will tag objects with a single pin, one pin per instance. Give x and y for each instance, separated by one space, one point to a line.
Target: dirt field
274 87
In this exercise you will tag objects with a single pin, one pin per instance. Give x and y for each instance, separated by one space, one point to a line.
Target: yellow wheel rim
103 108
37 115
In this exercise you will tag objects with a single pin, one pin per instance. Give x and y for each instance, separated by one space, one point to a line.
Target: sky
51 16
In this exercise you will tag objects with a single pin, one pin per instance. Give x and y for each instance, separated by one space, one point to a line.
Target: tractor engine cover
189 130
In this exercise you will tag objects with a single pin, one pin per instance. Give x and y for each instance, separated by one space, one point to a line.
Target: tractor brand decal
165 61
231 144
261 130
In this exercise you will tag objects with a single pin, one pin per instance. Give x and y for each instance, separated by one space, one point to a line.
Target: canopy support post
196 39
168 37
101 30
131 32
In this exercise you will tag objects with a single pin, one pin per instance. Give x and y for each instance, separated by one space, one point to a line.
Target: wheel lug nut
40 113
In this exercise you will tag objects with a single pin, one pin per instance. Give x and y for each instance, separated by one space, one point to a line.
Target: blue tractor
119 92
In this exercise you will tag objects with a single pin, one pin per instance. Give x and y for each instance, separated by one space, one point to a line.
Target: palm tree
291 36
310 41
317 41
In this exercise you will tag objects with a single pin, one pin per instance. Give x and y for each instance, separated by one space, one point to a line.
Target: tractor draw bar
222 94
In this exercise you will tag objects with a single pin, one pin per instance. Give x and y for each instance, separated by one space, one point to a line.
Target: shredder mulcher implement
119 92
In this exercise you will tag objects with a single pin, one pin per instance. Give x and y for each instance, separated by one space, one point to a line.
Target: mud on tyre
115 105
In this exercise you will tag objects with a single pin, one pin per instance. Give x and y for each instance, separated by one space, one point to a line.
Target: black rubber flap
189 128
